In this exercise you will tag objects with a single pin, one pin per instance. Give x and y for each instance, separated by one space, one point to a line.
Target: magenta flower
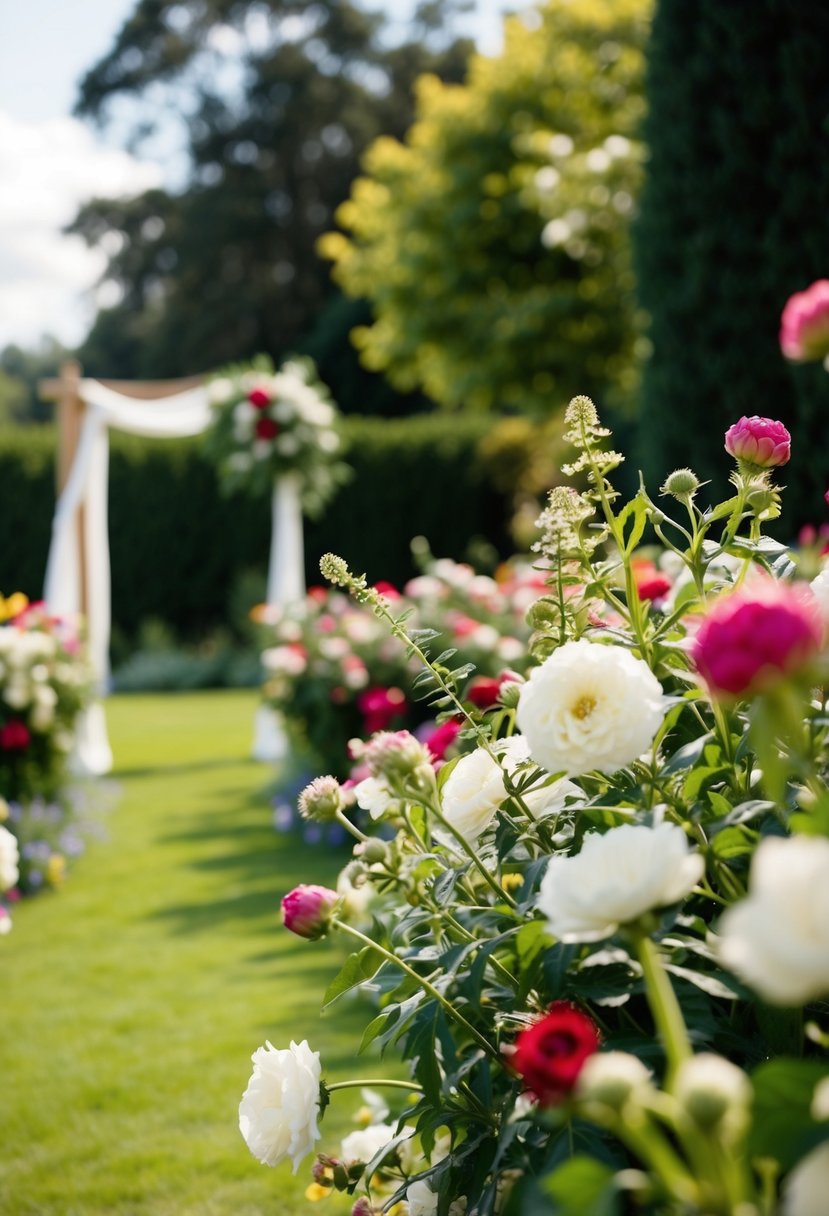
307 910
754 637
761 442
804 326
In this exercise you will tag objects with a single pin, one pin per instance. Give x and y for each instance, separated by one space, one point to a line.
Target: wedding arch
78 577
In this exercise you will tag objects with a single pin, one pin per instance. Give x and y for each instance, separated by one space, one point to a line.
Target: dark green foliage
733 220
179 549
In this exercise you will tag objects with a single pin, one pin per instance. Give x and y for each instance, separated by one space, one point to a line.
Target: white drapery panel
183 414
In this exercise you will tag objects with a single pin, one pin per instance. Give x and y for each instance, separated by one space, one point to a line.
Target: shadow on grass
181 770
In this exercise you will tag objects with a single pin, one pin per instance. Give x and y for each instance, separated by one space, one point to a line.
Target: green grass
133 998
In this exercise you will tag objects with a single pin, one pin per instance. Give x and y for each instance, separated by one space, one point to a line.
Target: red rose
14 736
258 398
266 428
550 1054
655 588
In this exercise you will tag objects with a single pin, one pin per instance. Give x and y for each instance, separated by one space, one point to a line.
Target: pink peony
804 326
761 442
14 736
753 637
443 737
379 707
307 910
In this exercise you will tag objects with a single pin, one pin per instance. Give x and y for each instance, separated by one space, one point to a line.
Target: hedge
179 549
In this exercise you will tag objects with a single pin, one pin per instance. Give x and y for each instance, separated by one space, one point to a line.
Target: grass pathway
132 999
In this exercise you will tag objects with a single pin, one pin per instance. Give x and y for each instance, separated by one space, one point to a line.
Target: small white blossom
777 939
9 858
280 1108
617 877
806 1188
422 1200
364 1143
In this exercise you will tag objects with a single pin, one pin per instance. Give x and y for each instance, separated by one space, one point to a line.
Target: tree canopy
493 242
278 100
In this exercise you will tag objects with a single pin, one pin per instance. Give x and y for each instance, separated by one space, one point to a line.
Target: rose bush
596 936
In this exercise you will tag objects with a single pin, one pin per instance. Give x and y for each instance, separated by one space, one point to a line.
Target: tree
280 99
733 220
493 242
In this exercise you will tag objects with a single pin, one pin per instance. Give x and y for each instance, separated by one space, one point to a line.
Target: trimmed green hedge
179 548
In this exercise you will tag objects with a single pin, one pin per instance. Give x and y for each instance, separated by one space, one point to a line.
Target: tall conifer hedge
734 218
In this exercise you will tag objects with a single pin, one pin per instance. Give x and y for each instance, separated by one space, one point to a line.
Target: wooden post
71 411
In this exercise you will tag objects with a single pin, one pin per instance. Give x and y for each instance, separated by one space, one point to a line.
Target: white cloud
48 169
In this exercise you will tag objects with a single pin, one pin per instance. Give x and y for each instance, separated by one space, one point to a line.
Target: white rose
363 1144
219 391
589 706
284 659
9 857
473 792
617 876
422 1200
777 939
806 1188
328 441
244 415
280 1107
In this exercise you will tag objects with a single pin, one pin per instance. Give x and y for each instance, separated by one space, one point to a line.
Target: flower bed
335 673
44 684
598 938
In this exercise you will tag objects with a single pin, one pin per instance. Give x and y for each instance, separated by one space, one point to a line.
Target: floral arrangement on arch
333 672
598 939
273 423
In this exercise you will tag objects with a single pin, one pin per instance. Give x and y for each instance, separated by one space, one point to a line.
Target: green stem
663 1003
345 822
428 987
388 1082
474 858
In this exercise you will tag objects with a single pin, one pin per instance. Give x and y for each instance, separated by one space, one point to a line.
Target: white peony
777 939
9 858
279 1109
615 879
472 794
422 1200
806 1188
541 800
590 707
363 1144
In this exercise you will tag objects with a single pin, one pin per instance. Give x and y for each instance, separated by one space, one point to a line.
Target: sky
51 162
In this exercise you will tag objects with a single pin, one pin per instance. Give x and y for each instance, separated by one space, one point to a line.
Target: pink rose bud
754 637
761 442
804 326
307 910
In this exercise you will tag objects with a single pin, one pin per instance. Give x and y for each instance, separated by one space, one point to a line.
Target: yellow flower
56 869
315 1192
4 810
16 603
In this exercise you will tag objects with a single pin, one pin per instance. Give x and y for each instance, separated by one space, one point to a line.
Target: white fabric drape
286 585
182 414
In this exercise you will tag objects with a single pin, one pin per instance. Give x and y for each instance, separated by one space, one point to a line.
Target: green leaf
356 969
583 1187
782 1126
634 513
720 986
530 940
731 842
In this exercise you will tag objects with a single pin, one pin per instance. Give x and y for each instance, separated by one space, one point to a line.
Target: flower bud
307 910
396 756
335 569
761 443
373 851
322 800
682 484
804 326
819 1109
611 1079
510 694
363 1207
713 1091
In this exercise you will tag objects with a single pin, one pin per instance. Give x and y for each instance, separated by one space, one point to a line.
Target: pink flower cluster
752 638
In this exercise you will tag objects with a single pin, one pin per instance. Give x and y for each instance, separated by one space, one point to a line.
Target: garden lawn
133 998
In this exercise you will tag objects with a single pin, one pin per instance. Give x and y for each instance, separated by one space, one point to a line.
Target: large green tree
733 220
277 102
493 241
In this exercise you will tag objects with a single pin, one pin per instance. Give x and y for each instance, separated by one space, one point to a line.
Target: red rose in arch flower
551 1053
14 736
258 398
266 428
